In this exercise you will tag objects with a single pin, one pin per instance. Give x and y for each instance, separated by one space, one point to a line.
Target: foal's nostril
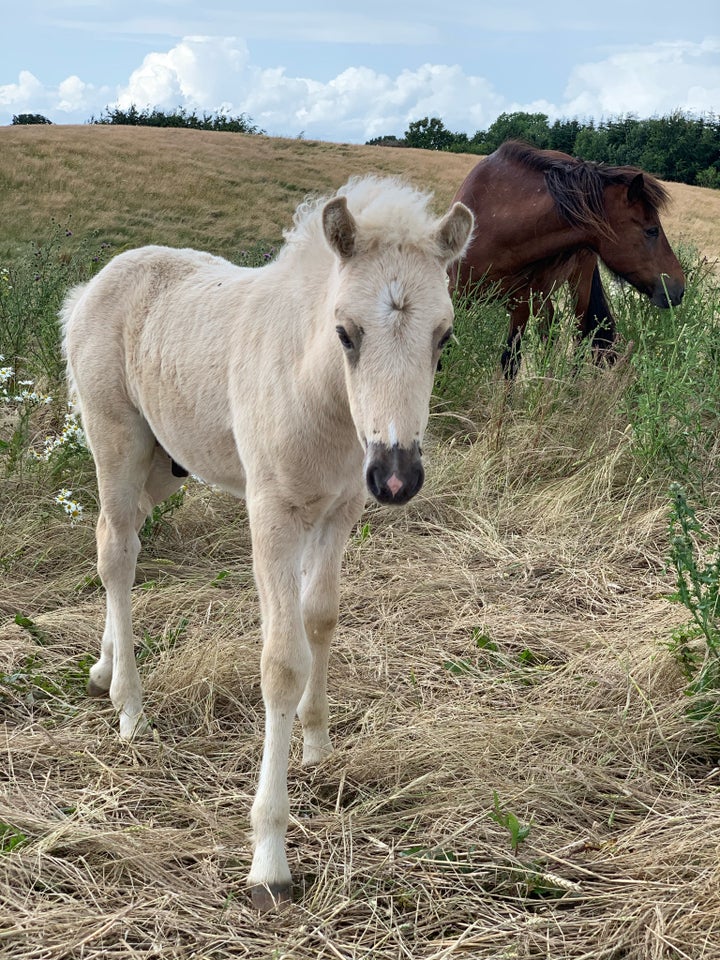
373 479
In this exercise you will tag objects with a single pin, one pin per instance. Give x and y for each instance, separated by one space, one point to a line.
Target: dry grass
140 851
503 634
214 191
221 191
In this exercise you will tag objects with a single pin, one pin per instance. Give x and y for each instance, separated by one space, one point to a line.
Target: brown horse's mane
577 186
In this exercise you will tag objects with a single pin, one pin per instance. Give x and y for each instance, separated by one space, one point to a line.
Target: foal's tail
70 303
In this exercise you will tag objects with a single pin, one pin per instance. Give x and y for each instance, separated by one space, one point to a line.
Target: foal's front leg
320 601
278 542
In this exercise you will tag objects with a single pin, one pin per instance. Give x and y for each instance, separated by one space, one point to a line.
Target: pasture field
527 728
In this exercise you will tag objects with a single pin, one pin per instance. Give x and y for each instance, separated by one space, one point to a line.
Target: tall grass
663 398
32 288
673 401
664 405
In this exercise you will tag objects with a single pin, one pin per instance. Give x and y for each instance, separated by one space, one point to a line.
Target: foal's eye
445 338
344 338
652 233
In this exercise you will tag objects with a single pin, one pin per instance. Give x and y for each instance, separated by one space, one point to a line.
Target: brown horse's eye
652 233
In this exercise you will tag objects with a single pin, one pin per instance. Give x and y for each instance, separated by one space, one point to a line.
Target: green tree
591 144
563 134
531 127
430 133
175 118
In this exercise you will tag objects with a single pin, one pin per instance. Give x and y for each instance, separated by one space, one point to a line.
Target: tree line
180 117
676 147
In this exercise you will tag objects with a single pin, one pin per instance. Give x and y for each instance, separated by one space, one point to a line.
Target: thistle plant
696 645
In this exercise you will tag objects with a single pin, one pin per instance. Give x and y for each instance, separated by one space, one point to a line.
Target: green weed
159 519
696 645
32 289
519 832
11 838
151 645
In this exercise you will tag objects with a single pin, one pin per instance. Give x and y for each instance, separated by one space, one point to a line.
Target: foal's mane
577 186
388 210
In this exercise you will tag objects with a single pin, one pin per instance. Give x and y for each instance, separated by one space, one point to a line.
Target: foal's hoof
95 690
270 896
315 754
134 726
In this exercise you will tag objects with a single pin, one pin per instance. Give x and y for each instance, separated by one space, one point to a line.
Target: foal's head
393 315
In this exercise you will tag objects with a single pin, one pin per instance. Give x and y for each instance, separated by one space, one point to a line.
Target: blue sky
347 73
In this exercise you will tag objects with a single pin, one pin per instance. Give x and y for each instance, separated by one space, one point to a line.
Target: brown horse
544 218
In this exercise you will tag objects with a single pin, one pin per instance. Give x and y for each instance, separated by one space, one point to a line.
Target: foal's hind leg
320 601
123 451
159 484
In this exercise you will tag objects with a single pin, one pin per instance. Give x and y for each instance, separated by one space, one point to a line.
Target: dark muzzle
394 474
667 292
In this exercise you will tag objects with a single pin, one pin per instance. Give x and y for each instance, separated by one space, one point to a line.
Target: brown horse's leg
594 316
511 355
546 314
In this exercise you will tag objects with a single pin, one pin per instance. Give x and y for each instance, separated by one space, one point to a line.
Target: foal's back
149 335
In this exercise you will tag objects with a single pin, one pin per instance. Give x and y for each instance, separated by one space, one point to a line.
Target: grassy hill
222 191
527 729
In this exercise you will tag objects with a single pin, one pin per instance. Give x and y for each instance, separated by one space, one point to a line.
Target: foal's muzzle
393 474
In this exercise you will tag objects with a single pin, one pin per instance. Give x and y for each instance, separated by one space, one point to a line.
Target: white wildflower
74 510
72 435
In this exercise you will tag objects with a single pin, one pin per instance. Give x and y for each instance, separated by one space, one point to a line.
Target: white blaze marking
392 434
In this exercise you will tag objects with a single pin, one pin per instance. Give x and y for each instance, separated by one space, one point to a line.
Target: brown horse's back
519 240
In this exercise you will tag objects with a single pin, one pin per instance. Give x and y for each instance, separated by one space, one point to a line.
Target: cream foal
300 386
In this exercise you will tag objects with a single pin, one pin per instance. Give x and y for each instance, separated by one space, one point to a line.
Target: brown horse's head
635 247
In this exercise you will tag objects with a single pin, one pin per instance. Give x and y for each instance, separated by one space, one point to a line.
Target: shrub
26 118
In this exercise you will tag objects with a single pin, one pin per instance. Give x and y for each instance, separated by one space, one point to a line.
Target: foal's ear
340 227
453 233
636 190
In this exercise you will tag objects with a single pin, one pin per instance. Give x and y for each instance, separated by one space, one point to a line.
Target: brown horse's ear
340 227
636 190
454 232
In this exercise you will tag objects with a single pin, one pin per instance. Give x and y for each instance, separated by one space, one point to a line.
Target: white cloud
648 80
17 94
74 95
71 96
359 103
198 72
